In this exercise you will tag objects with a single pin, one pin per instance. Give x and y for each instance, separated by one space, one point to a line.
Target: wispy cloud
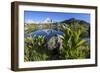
29 21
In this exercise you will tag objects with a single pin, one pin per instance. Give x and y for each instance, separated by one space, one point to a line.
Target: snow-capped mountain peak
48 20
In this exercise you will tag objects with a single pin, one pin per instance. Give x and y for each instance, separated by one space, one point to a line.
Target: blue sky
36 16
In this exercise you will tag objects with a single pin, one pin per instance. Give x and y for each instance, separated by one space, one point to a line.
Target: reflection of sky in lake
37 16
48 33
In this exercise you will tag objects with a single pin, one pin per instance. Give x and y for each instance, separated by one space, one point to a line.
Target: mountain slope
73 20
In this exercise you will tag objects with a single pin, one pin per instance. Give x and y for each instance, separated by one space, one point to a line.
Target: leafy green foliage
73 46
35 49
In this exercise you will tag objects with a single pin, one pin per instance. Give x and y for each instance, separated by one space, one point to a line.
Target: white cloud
47 20
30 21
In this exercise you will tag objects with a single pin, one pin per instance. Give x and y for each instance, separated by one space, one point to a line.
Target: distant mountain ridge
47 20
72 20
69 21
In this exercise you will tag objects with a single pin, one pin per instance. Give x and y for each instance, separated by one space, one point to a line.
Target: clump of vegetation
73 46
35 49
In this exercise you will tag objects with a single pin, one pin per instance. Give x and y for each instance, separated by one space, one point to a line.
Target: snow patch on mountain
48 20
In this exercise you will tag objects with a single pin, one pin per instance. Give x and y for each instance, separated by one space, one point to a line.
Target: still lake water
48 33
